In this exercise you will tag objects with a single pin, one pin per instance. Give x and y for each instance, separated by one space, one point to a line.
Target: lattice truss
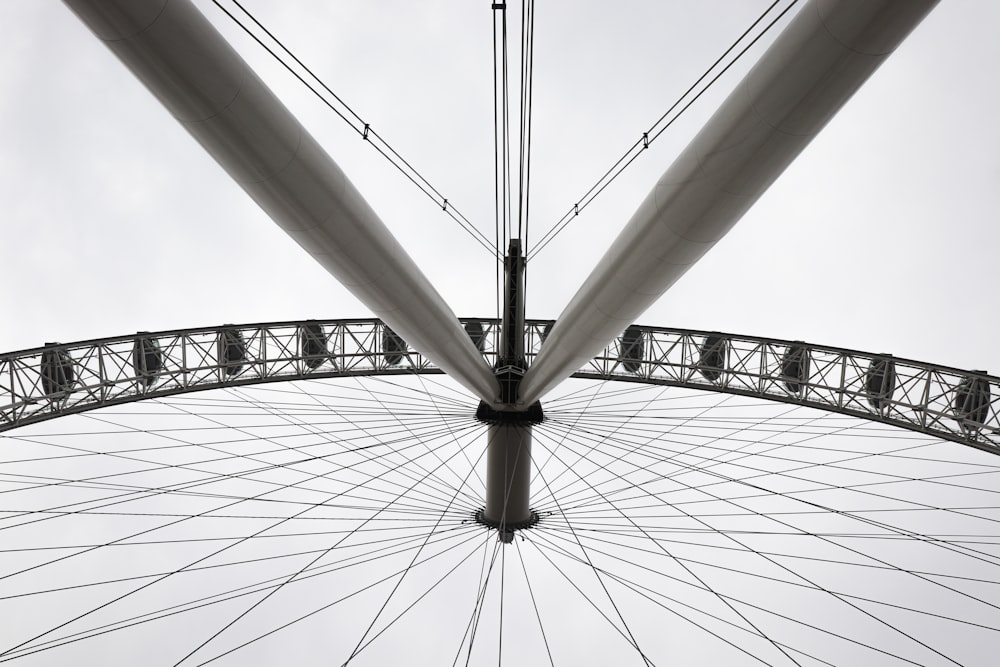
949 403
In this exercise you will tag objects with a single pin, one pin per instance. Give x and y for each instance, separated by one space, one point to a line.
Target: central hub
509 379
489 415
506 530
508 445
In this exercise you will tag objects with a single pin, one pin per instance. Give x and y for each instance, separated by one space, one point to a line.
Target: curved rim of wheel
953 404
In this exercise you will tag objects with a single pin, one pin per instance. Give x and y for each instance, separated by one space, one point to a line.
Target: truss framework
58 379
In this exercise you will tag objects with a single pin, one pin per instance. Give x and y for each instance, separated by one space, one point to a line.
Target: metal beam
508 476
183 60
824 55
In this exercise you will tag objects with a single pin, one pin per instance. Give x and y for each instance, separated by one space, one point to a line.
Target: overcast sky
880 237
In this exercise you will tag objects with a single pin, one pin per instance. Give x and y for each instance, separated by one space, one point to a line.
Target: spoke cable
653 133
363 129
800 575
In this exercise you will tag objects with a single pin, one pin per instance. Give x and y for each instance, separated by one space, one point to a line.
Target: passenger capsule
795 368
393 347
880 382
972 402
476 332
632 349
57 372
312 345
232 350
147 359
712 358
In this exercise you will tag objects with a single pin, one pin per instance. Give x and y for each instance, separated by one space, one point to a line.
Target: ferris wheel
497 489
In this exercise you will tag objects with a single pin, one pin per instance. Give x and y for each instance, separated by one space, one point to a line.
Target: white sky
880 237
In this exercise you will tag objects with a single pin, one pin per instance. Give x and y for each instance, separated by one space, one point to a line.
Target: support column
824 55
201 80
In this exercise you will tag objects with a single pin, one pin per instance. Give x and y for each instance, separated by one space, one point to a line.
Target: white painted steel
177 54
824 55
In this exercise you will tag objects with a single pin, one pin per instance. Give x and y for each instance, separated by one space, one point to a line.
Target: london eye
417 487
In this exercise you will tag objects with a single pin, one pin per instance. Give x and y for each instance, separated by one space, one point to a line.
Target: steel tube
508 475
201 80
824 55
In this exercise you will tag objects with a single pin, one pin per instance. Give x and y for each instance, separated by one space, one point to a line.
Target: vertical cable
496 157
505 151
527 78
